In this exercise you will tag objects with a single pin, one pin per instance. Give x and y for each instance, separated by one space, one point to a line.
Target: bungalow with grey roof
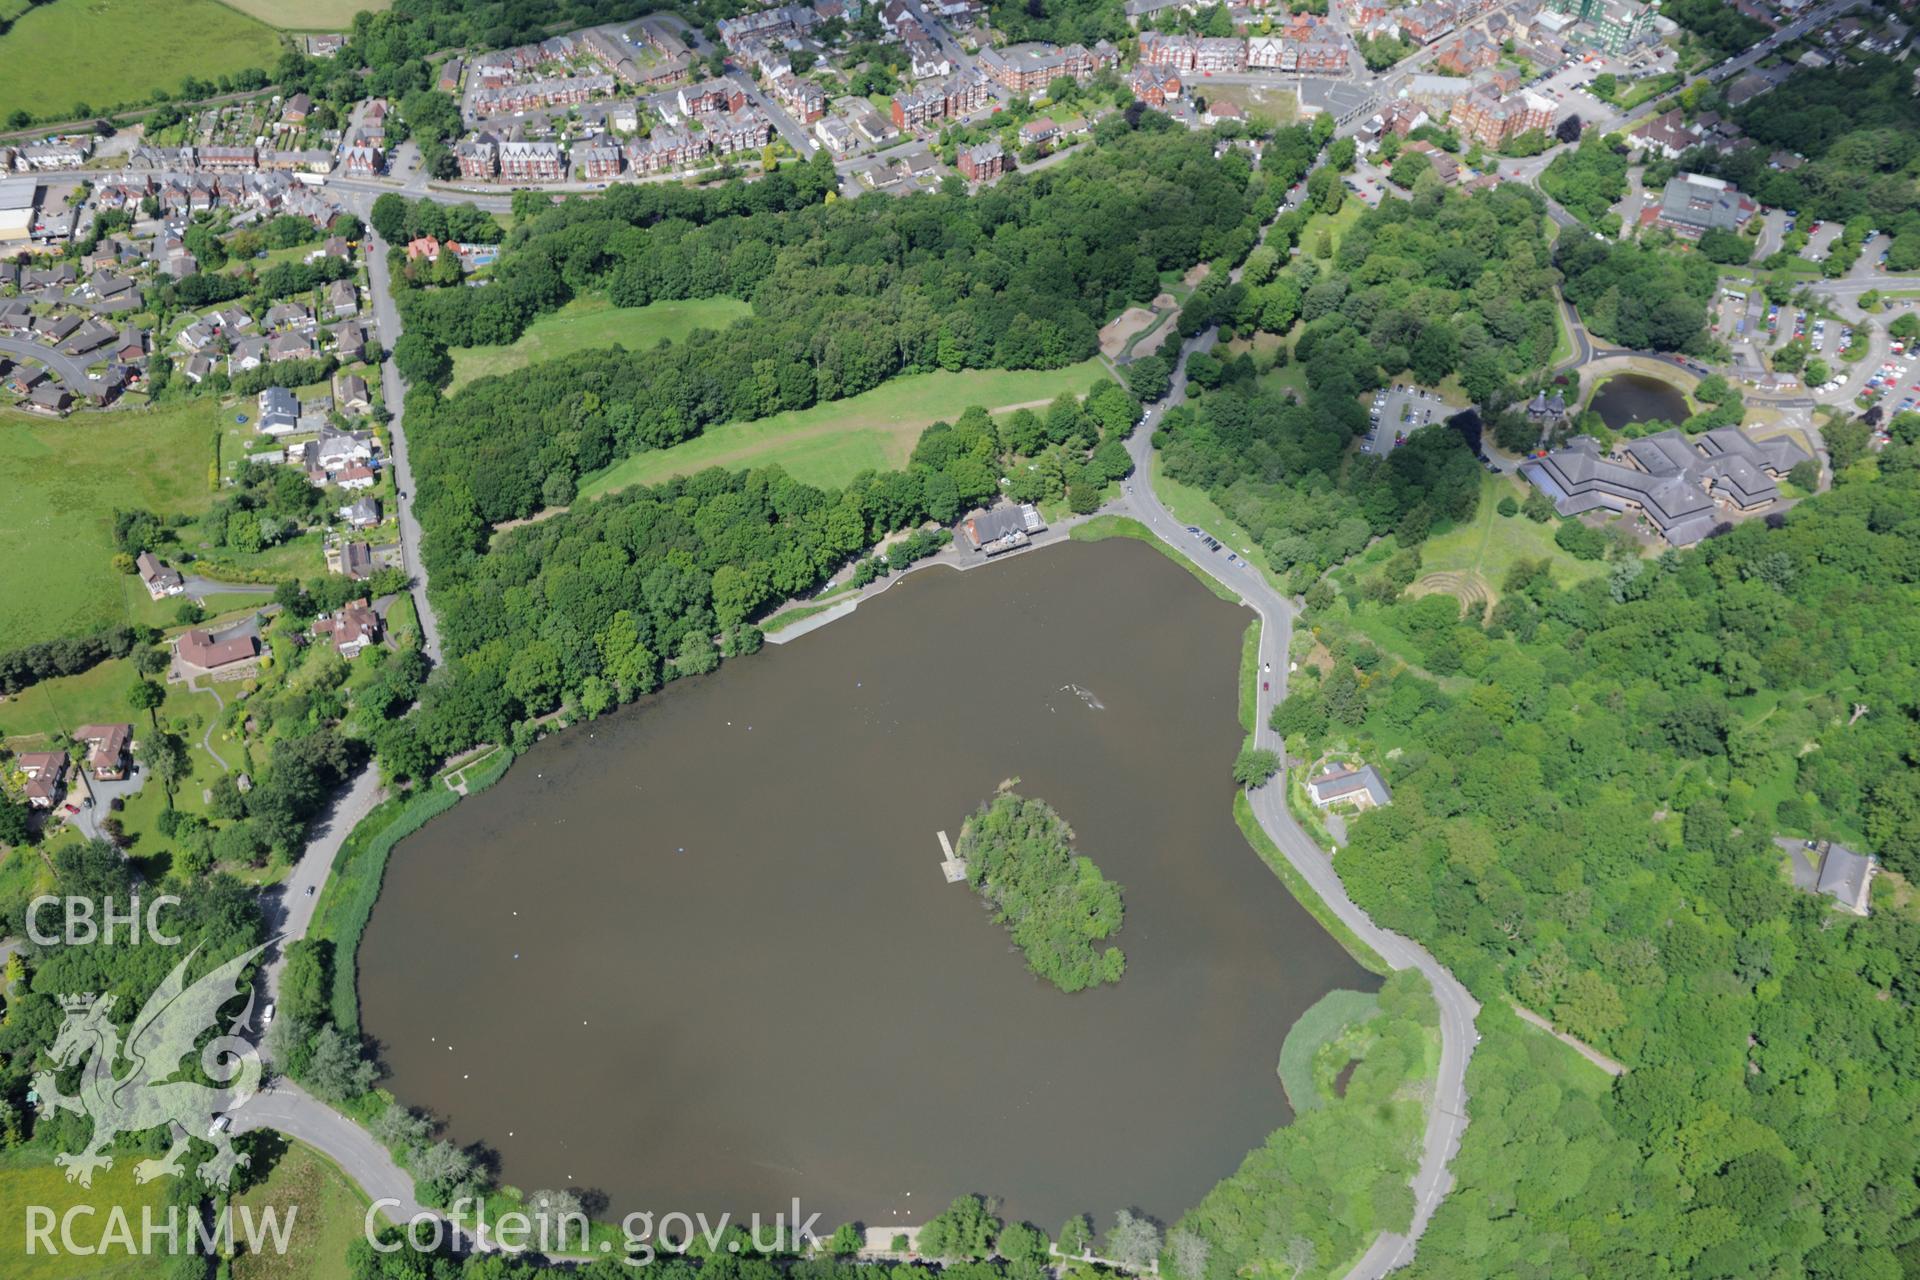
278 411
1821 866
1361 788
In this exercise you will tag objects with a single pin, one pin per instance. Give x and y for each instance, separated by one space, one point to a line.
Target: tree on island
1057 905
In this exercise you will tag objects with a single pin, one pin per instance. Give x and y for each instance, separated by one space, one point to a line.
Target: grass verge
353 886
1368 958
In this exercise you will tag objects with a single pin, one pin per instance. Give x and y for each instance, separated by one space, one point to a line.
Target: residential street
69 370
386 318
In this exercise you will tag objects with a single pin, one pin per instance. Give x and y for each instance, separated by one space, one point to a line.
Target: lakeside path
1447 1118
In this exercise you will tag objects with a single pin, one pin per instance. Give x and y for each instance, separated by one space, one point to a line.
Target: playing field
594 322
103 52
63 481
830 443
309 15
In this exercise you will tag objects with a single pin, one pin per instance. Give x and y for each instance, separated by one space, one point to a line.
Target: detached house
279 411
46 775
232 654
161 580
352 628
1361 788
109 749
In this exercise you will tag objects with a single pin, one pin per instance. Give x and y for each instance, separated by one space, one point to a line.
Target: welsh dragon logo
148 1096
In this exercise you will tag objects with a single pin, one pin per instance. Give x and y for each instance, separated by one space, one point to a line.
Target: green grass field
594 322
95 696
327 1210
63 481
829 443
102 52
32 1179
1486 546
308 15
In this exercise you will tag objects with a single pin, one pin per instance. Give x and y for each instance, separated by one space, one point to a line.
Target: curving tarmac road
69 370
1448 1118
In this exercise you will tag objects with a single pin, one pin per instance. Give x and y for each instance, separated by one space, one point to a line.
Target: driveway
298 1114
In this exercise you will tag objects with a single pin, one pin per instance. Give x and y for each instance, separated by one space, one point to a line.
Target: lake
699 955
1636 397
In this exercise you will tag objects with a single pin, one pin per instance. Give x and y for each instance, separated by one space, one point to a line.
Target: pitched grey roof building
1674 480
1363 788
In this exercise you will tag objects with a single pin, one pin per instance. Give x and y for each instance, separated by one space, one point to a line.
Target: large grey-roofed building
1672 479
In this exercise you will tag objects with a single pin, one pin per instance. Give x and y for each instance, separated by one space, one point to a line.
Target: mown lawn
829 443
1490 543
588 323
327 1213
106 52
63 481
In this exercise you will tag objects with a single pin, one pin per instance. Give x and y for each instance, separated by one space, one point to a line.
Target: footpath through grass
60 55
588 323
63 480
830 443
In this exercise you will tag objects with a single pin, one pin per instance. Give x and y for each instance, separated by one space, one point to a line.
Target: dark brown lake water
699 955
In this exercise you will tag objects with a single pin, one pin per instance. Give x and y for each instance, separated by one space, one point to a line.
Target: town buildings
1030 68
1693 204
982 162
1493 119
